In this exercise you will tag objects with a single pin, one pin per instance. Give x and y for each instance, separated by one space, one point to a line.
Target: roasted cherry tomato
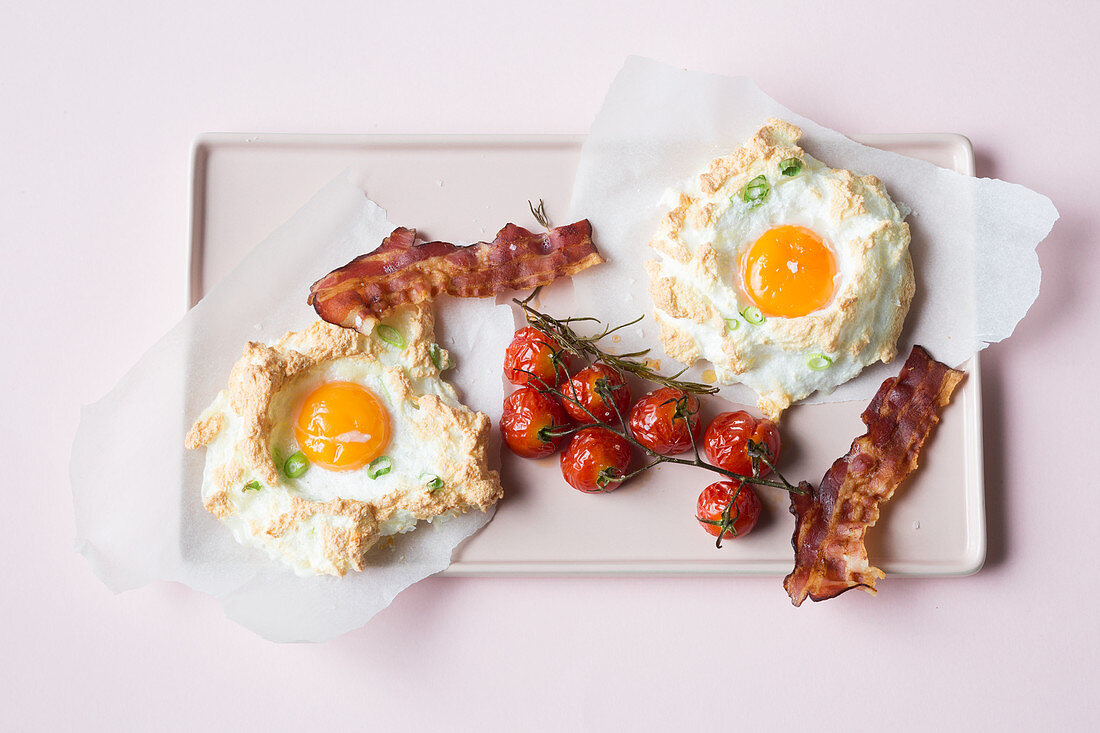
533 357
528 417
726 441
726 511
584 388
595 460
662 419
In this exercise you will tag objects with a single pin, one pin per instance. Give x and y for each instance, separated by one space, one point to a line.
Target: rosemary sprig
568 340
539 212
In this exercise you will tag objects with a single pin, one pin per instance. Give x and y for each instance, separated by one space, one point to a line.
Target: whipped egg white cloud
426 454
787 275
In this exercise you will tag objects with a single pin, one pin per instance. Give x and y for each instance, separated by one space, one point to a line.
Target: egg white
696 281
323 521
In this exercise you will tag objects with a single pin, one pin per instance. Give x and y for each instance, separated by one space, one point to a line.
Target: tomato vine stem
585 347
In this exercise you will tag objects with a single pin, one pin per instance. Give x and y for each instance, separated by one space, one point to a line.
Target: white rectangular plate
464 188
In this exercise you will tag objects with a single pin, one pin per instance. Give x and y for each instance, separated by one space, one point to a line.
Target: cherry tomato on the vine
529 416
595 460
726 441
585 389
725 510
533 357
665 421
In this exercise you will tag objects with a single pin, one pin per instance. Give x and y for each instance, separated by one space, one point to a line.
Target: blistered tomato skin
655 424
593 458
584 389
531 358
726 441
528 414
742 517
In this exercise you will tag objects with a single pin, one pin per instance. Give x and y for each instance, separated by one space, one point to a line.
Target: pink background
101 103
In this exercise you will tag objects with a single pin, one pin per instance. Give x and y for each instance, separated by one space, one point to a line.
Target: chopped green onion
755 191
753 315
296 465
385 391
380 466
440 358
390 335
790 166
432 481
252 485
819 362
733 324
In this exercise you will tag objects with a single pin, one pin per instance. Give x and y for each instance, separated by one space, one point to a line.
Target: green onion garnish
432 481
755 191
296 465
819 362
382 388
733 324
753 315
380 466
790 166
252 485
390 335
439 357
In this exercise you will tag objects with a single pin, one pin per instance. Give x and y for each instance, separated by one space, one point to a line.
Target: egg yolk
342 426
788 272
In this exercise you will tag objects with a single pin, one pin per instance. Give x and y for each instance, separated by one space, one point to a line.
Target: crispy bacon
402 271
831 520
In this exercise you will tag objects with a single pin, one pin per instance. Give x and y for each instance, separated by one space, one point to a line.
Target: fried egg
329 439
787 275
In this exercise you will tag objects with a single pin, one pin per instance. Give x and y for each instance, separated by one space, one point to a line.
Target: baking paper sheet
973 245
136 490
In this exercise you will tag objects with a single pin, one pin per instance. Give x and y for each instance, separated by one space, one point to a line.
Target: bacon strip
402 271
831 520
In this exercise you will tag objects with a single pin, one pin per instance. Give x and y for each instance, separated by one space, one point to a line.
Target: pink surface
102 103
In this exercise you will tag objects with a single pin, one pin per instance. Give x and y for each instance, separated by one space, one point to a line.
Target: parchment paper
973 246
136 490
